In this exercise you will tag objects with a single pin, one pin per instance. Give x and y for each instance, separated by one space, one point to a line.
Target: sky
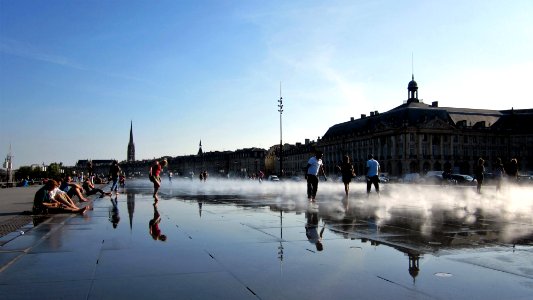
74 74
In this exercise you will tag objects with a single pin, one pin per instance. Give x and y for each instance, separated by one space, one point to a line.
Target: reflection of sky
424 218
379 248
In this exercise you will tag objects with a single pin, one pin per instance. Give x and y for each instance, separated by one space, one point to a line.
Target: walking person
314 167
372 171
512 170
498 173
479 172
155 170
347 173
90 169
114 174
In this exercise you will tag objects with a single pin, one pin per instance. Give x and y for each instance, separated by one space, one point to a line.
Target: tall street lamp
280 110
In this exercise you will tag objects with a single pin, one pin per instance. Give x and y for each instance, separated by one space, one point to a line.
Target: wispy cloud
28 51
24 50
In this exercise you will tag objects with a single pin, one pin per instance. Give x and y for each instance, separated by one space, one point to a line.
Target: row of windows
434 138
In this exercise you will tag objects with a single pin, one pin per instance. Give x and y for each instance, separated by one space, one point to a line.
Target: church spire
200 152
131 145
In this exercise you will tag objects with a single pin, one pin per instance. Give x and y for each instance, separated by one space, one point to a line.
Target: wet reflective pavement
245 240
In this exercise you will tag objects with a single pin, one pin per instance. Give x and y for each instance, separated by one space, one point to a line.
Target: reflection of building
131 207
414 263
416 137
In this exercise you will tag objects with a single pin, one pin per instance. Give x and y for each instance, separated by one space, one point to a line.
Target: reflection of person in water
311 230
155 232
114 216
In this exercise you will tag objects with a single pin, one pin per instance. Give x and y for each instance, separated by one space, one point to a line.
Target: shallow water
242 239
411 235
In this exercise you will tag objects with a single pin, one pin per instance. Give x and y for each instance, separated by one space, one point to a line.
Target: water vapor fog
509 210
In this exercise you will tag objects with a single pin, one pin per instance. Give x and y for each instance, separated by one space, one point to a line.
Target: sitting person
62 197
89 188
45 201
72 188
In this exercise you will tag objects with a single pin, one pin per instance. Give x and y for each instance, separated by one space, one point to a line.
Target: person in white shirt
372 171
314 167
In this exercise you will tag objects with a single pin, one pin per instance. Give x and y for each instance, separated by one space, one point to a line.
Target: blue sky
73 74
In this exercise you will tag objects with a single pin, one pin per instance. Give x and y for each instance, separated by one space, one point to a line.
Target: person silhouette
313 169
372 172
347 173
498 173
479 172
155 171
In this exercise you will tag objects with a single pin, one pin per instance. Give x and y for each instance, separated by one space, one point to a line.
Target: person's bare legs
66 201
346 188
71 202
157 184
59 205
78 210
80 194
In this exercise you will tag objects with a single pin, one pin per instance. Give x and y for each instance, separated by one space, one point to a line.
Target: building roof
422 115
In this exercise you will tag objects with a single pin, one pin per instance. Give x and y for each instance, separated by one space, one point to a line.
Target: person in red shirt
155 231
155 170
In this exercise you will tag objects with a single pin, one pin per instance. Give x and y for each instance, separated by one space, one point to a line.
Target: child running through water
347 172
155 171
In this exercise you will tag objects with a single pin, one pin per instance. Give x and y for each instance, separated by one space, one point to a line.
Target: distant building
100 166
241 163
417 137
131 146
295 158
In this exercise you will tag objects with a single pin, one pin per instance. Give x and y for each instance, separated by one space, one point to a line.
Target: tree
23 172
54 170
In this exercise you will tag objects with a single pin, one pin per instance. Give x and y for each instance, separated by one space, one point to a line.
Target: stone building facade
416 137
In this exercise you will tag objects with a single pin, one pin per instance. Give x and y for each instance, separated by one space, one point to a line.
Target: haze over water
429 204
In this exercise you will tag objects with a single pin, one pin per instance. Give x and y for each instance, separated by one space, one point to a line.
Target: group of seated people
56 196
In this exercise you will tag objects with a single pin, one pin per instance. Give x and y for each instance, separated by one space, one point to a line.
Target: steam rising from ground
512 207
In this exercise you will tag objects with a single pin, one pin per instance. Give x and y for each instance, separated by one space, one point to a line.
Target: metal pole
280 110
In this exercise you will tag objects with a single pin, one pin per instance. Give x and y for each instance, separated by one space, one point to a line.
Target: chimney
363 116
307 141
435 104
351 118
376 113
371 113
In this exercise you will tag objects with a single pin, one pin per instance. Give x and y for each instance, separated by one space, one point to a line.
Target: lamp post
280 110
